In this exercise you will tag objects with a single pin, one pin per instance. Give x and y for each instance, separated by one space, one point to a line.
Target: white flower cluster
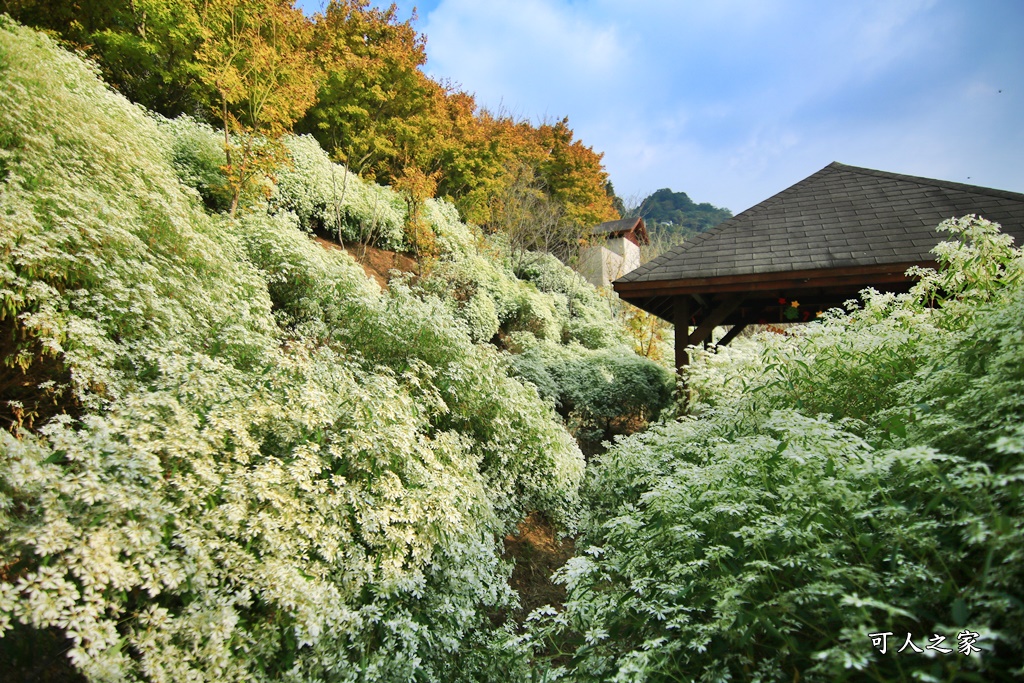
323 193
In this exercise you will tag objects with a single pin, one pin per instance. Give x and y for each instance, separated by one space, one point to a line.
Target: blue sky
732 101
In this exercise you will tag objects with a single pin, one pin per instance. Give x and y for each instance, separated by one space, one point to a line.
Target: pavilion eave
695 306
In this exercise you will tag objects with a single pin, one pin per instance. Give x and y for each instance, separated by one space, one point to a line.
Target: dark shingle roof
623 226
841 216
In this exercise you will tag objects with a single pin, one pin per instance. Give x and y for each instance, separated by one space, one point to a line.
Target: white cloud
734 100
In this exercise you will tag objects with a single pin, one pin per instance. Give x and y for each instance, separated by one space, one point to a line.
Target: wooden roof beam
831 277
732 334
715 318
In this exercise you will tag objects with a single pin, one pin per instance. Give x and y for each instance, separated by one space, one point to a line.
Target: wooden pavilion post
681 320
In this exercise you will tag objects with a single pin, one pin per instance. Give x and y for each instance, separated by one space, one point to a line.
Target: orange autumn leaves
252 55
354 72
378 113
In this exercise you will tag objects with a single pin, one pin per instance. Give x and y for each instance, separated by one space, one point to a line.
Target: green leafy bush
586 311
861 476
559 331
196 151
600 392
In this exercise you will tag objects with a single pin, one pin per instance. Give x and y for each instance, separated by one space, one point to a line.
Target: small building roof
843 221
633 228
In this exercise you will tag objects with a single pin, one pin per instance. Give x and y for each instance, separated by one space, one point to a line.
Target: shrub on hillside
196 151
600 392
268 469
327 197
542 296
560 334
588 315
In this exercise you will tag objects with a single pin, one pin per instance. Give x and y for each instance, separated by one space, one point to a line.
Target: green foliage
559 330
146 49
196 151
971 394
254 54
600 392
266 468
849 375
494 292
586 312
860 475
676 212
350 75
374 110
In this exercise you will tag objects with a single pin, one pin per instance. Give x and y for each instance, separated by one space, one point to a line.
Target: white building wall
629 252
600 265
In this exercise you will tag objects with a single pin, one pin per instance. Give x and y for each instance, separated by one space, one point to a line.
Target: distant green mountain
676 214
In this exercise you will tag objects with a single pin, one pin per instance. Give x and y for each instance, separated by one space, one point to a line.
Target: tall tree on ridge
373 102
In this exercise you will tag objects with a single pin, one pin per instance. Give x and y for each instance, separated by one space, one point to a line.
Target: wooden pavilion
816 244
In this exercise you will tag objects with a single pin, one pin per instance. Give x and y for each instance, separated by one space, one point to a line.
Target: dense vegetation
859 476
673 216
230 455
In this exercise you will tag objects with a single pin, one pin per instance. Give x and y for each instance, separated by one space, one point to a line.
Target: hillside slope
234 457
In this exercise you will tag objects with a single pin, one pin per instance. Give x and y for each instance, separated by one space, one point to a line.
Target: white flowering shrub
455 239
861 476
462 283
534 292
529 461
327 196
587 311
262 467
481 317
311 289
535 312
600 392
582 365
196 151
297 522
